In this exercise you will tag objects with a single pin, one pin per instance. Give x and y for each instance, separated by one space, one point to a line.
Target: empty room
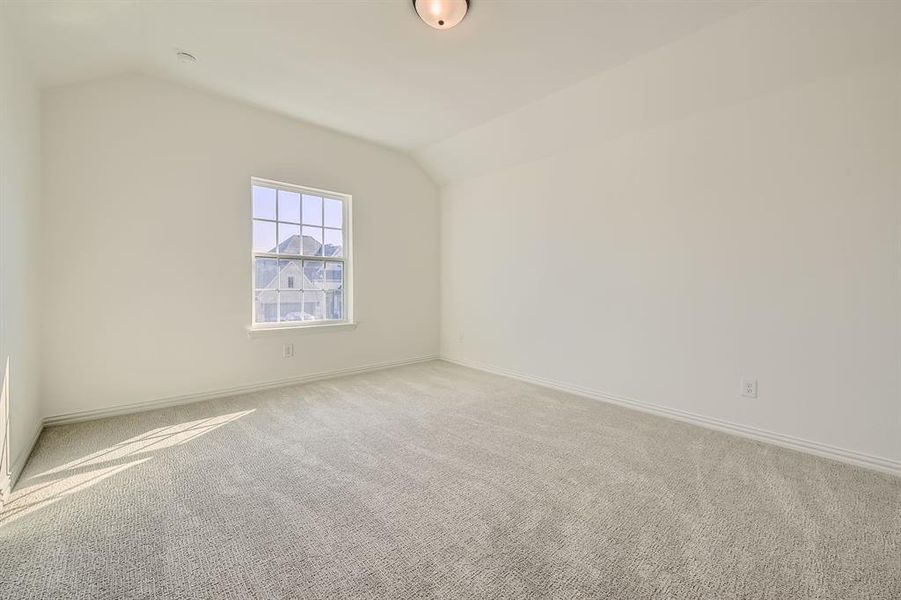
485 299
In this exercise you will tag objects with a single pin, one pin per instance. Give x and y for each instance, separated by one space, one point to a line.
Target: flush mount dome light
441 14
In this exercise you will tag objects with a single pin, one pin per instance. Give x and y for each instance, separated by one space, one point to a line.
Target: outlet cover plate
748 387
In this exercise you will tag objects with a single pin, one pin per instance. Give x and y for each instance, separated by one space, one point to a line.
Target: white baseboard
124 409
876 463
18 464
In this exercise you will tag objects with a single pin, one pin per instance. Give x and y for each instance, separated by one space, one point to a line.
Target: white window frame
346 259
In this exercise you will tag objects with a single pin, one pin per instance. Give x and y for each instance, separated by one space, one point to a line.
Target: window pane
263 202
263 236
334 276
290 289
334 213
290 306
312 210
288 206
266 273
333 243
266 306
290 274
313 272
334 304
313 305
312 241
288 238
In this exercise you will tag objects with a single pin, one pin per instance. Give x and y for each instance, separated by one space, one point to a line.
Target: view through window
300 254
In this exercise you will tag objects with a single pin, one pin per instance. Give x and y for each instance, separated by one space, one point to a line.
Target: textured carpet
436 481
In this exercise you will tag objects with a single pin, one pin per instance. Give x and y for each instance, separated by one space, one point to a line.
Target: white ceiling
370 68
767 49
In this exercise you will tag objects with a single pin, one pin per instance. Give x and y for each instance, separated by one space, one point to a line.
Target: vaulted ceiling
515 81
368 68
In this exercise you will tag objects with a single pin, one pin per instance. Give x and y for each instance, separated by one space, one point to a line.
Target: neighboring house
319 284
311 247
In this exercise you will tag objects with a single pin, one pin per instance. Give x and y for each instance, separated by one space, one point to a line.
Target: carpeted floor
436 481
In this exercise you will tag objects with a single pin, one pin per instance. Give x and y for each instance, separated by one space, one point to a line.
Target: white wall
147 237
19 207
661 253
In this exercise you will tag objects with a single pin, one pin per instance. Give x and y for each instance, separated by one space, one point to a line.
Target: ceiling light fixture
441 14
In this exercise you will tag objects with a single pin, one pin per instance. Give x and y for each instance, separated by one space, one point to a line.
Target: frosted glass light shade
441 14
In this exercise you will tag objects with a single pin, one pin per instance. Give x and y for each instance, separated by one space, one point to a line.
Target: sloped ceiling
759 51
516 80
368 68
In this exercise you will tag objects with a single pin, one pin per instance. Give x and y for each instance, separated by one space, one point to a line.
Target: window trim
346 259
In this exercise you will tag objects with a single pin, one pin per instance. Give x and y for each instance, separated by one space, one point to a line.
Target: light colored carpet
436 481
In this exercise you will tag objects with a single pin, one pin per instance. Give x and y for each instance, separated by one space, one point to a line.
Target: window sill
254 332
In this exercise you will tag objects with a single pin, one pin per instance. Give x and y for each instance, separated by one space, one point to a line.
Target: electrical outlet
460 338
748 387
288 351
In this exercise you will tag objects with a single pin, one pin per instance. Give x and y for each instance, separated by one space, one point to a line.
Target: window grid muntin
343 259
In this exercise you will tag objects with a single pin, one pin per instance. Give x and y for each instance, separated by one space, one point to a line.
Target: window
301 255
